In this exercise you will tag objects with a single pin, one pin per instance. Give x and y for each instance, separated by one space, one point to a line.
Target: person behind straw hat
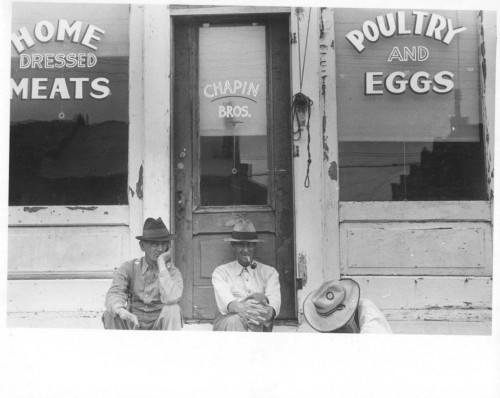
247 292
336 307
145 291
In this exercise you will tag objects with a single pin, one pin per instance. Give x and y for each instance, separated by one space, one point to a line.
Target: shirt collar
144 266
239 269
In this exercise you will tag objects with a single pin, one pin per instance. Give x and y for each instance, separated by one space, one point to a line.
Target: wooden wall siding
416 249
66 250
402 299
57 295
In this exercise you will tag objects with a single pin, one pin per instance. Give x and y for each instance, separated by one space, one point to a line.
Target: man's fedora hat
155 230
243 231
332 305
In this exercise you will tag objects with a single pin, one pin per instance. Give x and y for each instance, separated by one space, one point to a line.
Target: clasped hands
252 311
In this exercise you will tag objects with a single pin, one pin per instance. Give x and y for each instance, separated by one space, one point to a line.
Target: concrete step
92 320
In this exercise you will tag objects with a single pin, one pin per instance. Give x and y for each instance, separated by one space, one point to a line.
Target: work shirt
149 290
371 319
232 282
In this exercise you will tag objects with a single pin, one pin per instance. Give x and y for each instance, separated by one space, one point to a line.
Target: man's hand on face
165 259
127 316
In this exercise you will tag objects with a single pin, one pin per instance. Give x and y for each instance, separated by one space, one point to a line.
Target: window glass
408 105
233 115
69 104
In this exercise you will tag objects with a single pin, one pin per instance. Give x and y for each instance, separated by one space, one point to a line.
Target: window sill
44 216
415 211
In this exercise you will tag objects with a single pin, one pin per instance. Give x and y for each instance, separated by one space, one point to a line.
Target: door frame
191 21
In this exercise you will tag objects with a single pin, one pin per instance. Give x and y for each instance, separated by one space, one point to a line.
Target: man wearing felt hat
247 292
336 307
144 292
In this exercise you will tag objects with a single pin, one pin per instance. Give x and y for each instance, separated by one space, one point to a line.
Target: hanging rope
301 103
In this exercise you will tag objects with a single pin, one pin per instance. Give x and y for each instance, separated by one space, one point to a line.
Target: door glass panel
409 106
233 115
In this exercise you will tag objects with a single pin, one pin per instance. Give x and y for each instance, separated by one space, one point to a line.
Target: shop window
409 105
69 104
233 115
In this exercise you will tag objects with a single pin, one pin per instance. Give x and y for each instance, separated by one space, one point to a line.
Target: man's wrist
233 307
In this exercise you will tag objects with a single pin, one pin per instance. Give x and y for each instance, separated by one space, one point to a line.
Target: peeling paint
302 267
326 149
139 185
33 209
91 208
332 171
132 193
322 24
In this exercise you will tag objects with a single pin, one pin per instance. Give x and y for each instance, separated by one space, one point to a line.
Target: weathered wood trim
487 57
308 202
57 295
415 211
243 209
402 248
427 292
136 126
50 275
65 216
58 249
449 314
328 111
217 10
157 137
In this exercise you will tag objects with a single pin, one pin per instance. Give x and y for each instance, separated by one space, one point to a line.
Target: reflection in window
409 146
233 115
69 107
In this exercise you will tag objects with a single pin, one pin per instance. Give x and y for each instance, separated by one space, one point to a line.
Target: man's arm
170 278
117 295
273 292
222 291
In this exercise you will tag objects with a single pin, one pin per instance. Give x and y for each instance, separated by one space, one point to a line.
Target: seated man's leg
115 322
230 323
170 318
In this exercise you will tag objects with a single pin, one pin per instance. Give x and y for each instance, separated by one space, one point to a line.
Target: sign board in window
69 104
233 126
408 105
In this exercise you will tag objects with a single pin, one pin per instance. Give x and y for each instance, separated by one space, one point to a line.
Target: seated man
145 291
335 307
247 292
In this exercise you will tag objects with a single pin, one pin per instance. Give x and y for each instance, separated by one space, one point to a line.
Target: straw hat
332 305
243 231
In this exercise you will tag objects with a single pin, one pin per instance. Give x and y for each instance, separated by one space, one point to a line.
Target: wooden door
232 149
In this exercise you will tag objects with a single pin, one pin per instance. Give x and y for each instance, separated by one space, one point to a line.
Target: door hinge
293 38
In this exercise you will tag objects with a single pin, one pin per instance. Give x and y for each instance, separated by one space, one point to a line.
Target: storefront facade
382 170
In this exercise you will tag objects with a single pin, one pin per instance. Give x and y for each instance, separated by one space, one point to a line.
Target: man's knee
170 317
231 322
